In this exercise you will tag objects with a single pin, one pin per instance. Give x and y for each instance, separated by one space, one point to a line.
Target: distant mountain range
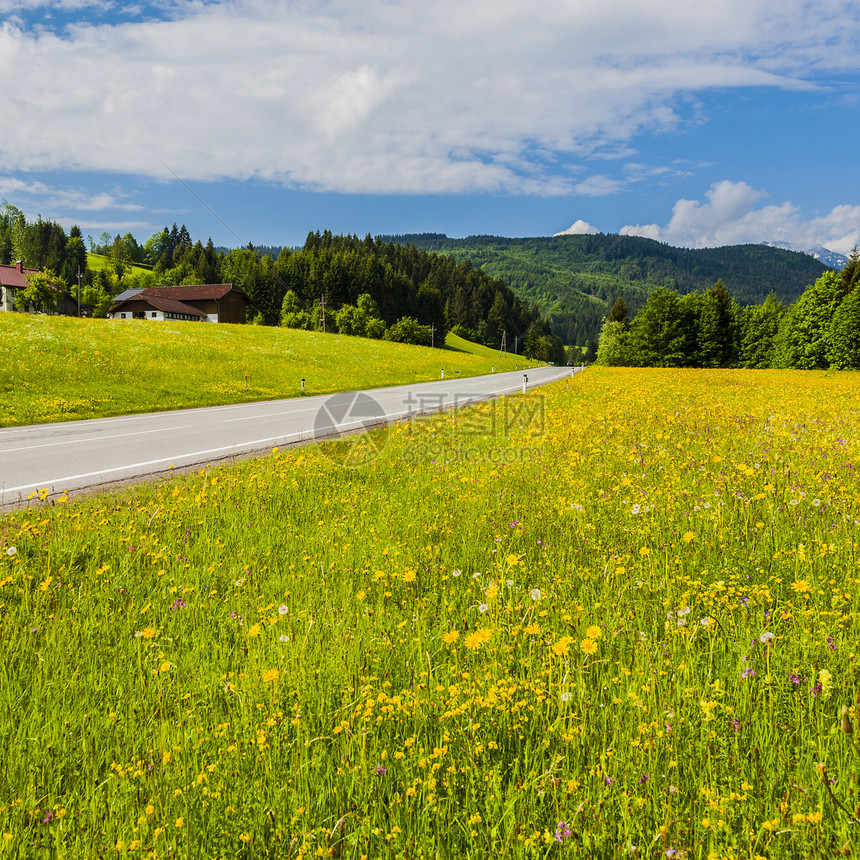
833 259
575 279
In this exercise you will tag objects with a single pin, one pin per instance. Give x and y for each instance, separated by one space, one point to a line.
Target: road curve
75 456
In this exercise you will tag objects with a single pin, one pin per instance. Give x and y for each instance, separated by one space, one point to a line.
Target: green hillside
99 262
574 279
63 368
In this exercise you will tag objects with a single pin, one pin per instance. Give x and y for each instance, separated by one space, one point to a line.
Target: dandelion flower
593 632
270 675
473 641
451 636
562 647
589 646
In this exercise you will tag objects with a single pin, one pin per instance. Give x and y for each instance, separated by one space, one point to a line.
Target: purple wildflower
562 831
831 644
795 679
47 818
748 673
381 770
178 604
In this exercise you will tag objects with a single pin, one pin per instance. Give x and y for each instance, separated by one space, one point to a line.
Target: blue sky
247 120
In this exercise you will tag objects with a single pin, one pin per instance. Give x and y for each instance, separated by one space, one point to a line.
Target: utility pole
516 338
432 334
79 291
322 311
503 349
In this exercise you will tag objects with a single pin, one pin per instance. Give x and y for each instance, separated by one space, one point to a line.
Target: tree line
574 279
820 330
367 287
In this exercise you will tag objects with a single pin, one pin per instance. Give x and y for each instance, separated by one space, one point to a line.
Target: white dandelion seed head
535 594
283 609
456 572
482 608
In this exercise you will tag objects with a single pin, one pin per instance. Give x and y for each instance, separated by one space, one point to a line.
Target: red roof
191 292
11 277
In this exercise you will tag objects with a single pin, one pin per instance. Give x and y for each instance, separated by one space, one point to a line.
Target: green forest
574 280
367 287
819 331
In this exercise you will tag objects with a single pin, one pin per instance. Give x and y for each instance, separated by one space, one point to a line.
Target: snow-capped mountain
824 255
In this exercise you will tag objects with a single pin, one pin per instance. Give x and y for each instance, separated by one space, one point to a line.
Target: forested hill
574 280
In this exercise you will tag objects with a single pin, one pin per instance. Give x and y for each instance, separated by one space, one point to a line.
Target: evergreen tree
851 273
717 334
658 334
618 313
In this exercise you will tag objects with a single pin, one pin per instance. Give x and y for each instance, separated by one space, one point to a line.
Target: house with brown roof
196 302
13 279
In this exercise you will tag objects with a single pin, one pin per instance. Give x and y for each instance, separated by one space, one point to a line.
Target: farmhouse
13 279
198 302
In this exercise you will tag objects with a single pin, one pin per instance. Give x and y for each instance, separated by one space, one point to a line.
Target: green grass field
61 368
98 262
613 618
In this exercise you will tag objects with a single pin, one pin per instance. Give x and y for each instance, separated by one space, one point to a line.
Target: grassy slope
97 262
58 368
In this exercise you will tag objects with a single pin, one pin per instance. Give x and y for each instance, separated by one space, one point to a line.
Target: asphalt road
76 456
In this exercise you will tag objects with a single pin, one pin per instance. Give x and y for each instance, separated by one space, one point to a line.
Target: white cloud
730 216
391 97
598 186
578 228
35 193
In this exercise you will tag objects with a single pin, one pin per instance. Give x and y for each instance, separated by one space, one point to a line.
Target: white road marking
94 438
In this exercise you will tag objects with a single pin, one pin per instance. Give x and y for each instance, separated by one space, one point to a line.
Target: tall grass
617 619
58 368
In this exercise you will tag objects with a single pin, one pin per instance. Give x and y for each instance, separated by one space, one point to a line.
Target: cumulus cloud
731 216
390 97
578 228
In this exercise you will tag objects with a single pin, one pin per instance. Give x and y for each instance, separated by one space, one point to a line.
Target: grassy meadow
62 368
617 617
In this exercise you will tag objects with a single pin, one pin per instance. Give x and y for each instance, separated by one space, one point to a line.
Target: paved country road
74 456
